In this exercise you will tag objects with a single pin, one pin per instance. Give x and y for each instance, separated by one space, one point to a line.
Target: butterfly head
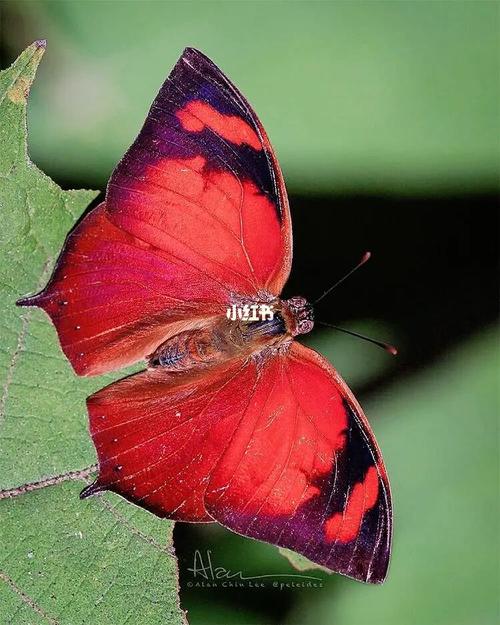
301 315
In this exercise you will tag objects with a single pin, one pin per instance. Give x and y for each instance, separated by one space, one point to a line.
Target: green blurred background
385 117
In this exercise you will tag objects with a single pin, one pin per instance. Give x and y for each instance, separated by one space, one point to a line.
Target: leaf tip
28 62
35 52
38 47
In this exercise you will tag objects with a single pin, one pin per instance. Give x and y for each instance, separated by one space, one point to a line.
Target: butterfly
233 420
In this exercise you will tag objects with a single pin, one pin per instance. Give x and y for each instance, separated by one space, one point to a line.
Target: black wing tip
91 489
192 51
377 579
191 54
29 300
376 576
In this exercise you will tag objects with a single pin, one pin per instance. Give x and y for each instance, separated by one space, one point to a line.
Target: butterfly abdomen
217 342
191 349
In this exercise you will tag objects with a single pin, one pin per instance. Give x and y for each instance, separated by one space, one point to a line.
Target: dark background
385 118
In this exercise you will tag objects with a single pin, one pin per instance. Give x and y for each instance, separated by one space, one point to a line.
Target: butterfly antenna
388 348
366 258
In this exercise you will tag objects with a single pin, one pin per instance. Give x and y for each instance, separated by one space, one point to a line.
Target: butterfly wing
306 473
202 181
114 298
273 448
159 435
196 215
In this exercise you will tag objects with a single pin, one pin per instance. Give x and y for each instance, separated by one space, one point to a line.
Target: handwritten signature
204 569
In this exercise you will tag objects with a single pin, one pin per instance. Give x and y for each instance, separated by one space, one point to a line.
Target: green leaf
101 561
67 562
300 562
41 407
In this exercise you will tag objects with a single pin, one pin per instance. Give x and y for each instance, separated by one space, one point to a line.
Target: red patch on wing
198 115
345 526
282 447
209 218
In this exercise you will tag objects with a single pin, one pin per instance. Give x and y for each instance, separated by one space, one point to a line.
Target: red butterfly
233 420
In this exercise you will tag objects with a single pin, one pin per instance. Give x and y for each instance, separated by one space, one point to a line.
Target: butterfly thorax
221 339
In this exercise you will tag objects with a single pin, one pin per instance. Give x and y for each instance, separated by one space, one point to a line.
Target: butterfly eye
297 303
302 313
305 326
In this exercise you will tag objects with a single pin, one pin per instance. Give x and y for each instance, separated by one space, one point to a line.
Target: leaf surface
62 561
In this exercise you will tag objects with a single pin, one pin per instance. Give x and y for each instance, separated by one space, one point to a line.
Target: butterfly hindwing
274 449
307 474
159 435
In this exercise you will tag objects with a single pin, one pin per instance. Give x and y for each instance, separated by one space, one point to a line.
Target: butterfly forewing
195 215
